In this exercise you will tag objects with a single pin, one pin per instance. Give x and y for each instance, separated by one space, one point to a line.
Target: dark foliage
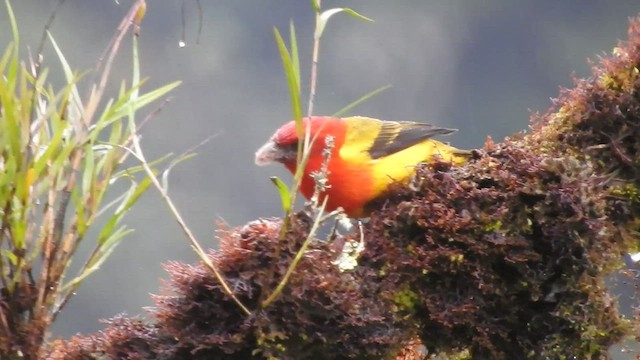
503 258
322 314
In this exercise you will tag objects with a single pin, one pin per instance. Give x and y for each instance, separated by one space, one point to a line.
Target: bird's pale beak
272 152
267 154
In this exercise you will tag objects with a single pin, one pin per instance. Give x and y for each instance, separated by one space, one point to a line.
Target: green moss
629 191
405 300
493 226
621 80
460 355
457 258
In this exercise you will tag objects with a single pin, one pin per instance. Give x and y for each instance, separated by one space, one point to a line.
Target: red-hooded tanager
368 155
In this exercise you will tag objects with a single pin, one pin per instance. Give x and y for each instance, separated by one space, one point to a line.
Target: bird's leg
350 252
341 220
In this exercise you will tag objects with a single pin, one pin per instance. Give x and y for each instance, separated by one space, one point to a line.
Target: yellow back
397 166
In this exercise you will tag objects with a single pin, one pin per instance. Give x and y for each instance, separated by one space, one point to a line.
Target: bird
367 155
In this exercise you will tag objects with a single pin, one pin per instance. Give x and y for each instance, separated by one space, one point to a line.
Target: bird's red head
282 147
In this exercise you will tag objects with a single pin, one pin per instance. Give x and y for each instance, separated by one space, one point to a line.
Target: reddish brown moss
124 338
322 314
504 257
597 120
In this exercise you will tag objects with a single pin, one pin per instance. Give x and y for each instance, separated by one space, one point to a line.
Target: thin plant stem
285 279
137 152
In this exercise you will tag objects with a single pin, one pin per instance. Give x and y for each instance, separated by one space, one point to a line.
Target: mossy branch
503 258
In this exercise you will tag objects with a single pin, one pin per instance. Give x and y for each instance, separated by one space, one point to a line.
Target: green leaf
129 103
285 195
12 20
316 6
129 198
154 95
76 101
14 64
11 111
135 195
10 255
295 59
172 164
6 57
62 158
116 136
88 173
107 230
323 18
292 80
18 224
58 129
362 99
135 169
136 66
98 258
79 204
111 204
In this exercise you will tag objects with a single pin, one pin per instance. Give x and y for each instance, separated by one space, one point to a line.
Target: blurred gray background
479 66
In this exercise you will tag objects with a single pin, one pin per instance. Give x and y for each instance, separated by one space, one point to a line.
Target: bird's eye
287 151
290 147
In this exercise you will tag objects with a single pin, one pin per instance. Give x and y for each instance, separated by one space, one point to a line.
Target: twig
200 20
142 124
43 39
314 76
285 279
112 49
48 253
320 178
137 152
35 70
200 144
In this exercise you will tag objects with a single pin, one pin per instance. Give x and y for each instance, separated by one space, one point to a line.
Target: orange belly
350 186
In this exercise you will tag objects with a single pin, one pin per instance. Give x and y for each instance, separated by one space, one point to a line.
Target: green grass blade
68 73
135 195
292 81
362 99
285 194
88 171
295 59
14 64
316 6
323 18
98 259
12 21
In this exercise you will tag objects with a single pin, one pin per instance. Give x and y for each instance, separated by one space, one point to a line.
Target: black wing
396 136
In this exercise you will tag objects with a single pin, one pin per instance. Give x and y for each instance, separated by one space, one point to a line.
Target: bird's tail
460 156
462 153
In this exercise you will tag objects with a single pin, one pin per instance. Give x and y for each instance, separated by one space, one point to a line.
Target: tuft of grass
60 154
